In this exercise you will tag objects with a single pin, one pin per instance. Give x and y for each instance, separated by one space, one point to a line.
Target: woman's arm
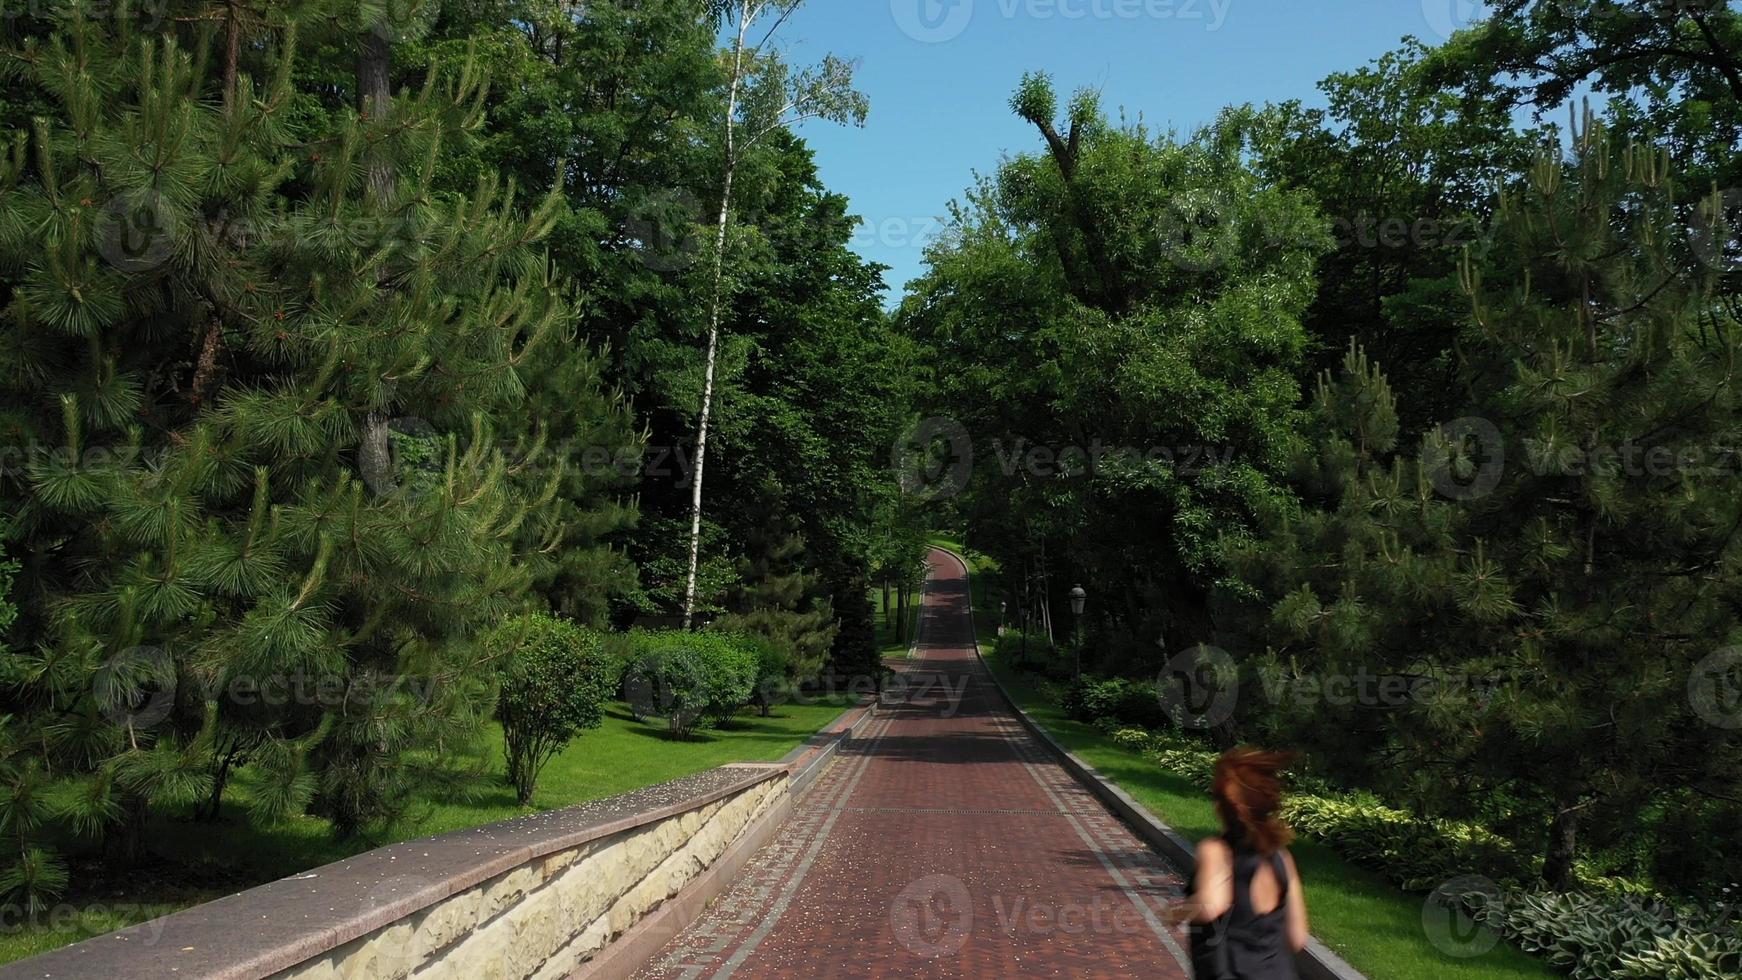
1214 894
1298 933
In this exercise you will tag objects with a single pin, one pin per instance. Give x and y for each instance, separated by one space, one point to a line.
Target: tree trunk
232 52
689 593
1563 843
214 804
714 305
124 845
900 613
375 100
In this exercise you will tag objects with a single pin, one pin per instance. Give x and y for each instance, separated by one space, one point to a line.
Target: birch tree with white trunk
763 95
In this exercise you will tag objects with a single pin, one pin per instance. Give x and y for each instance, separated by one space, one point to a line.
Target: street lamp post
1078 599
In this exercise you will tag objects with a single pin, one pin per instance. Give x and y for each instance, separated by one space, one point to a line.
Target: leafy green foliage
1021 650
686 677
1405 174
1669 72
774 671
1598 937
555 679
8 570
1115 700
1116 326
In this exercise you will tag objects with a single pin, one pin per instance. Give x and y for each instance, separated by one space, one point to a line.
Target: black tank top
1242 944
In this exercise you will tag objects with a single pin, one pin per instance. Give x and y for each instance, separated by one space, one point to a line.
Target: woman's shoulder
1214 849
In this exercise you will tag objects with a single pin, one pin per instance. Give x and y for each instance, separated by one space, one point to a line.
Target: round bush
685 677
554 680
774 682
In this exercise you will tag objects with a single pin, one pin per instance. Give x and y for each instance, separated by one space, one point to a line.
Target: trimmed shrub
686 677
1089 699
1023 653
733 662
666 679
619 650
774 667
1129 702
554 680
1140 704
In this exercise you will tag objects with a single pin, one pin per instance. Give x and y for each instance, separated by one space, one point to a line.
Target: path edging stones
807 761
1316 962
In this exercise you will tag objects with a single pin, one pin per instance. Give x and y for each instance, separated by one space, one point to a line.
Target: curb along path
944 841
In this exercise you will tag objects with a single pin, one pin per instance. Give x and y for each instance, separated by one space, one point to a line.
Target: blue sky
939 74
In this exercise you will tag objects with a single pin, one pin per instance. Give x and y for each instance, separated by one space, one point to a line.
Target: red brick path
943 842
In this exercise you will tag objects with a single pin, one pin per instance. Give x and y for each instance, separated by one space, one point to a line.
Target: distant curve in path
943 842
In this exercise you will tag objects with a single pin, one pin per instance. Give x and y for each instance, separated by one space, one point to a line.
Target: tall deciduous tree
1117 325
1405 173
762 96
1670 72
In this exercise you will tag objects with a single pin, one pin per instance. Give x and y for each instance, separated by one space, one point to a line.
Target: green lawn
197 862
1367 920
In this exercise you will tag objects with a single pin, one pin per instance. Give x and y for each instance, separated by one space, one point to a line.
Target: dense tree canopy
338 333
1117 322
1412 391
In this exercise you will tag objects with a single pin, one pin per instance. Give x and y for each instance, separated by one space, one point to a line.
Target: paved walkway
944 842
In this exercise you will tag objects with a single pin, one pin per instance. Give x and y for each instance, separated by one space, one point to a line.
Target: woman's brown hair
1247 789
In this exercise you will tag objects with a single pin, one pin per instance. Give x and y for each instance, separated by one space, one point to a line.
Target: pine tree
1558 567
214 302
778 598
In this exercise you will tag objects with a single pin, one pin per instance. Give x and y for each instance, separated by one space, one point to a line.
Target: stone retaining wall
544 919
537 898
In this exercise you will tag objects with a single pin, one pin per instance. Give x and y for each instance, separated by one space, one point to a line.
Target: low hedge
1609 932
